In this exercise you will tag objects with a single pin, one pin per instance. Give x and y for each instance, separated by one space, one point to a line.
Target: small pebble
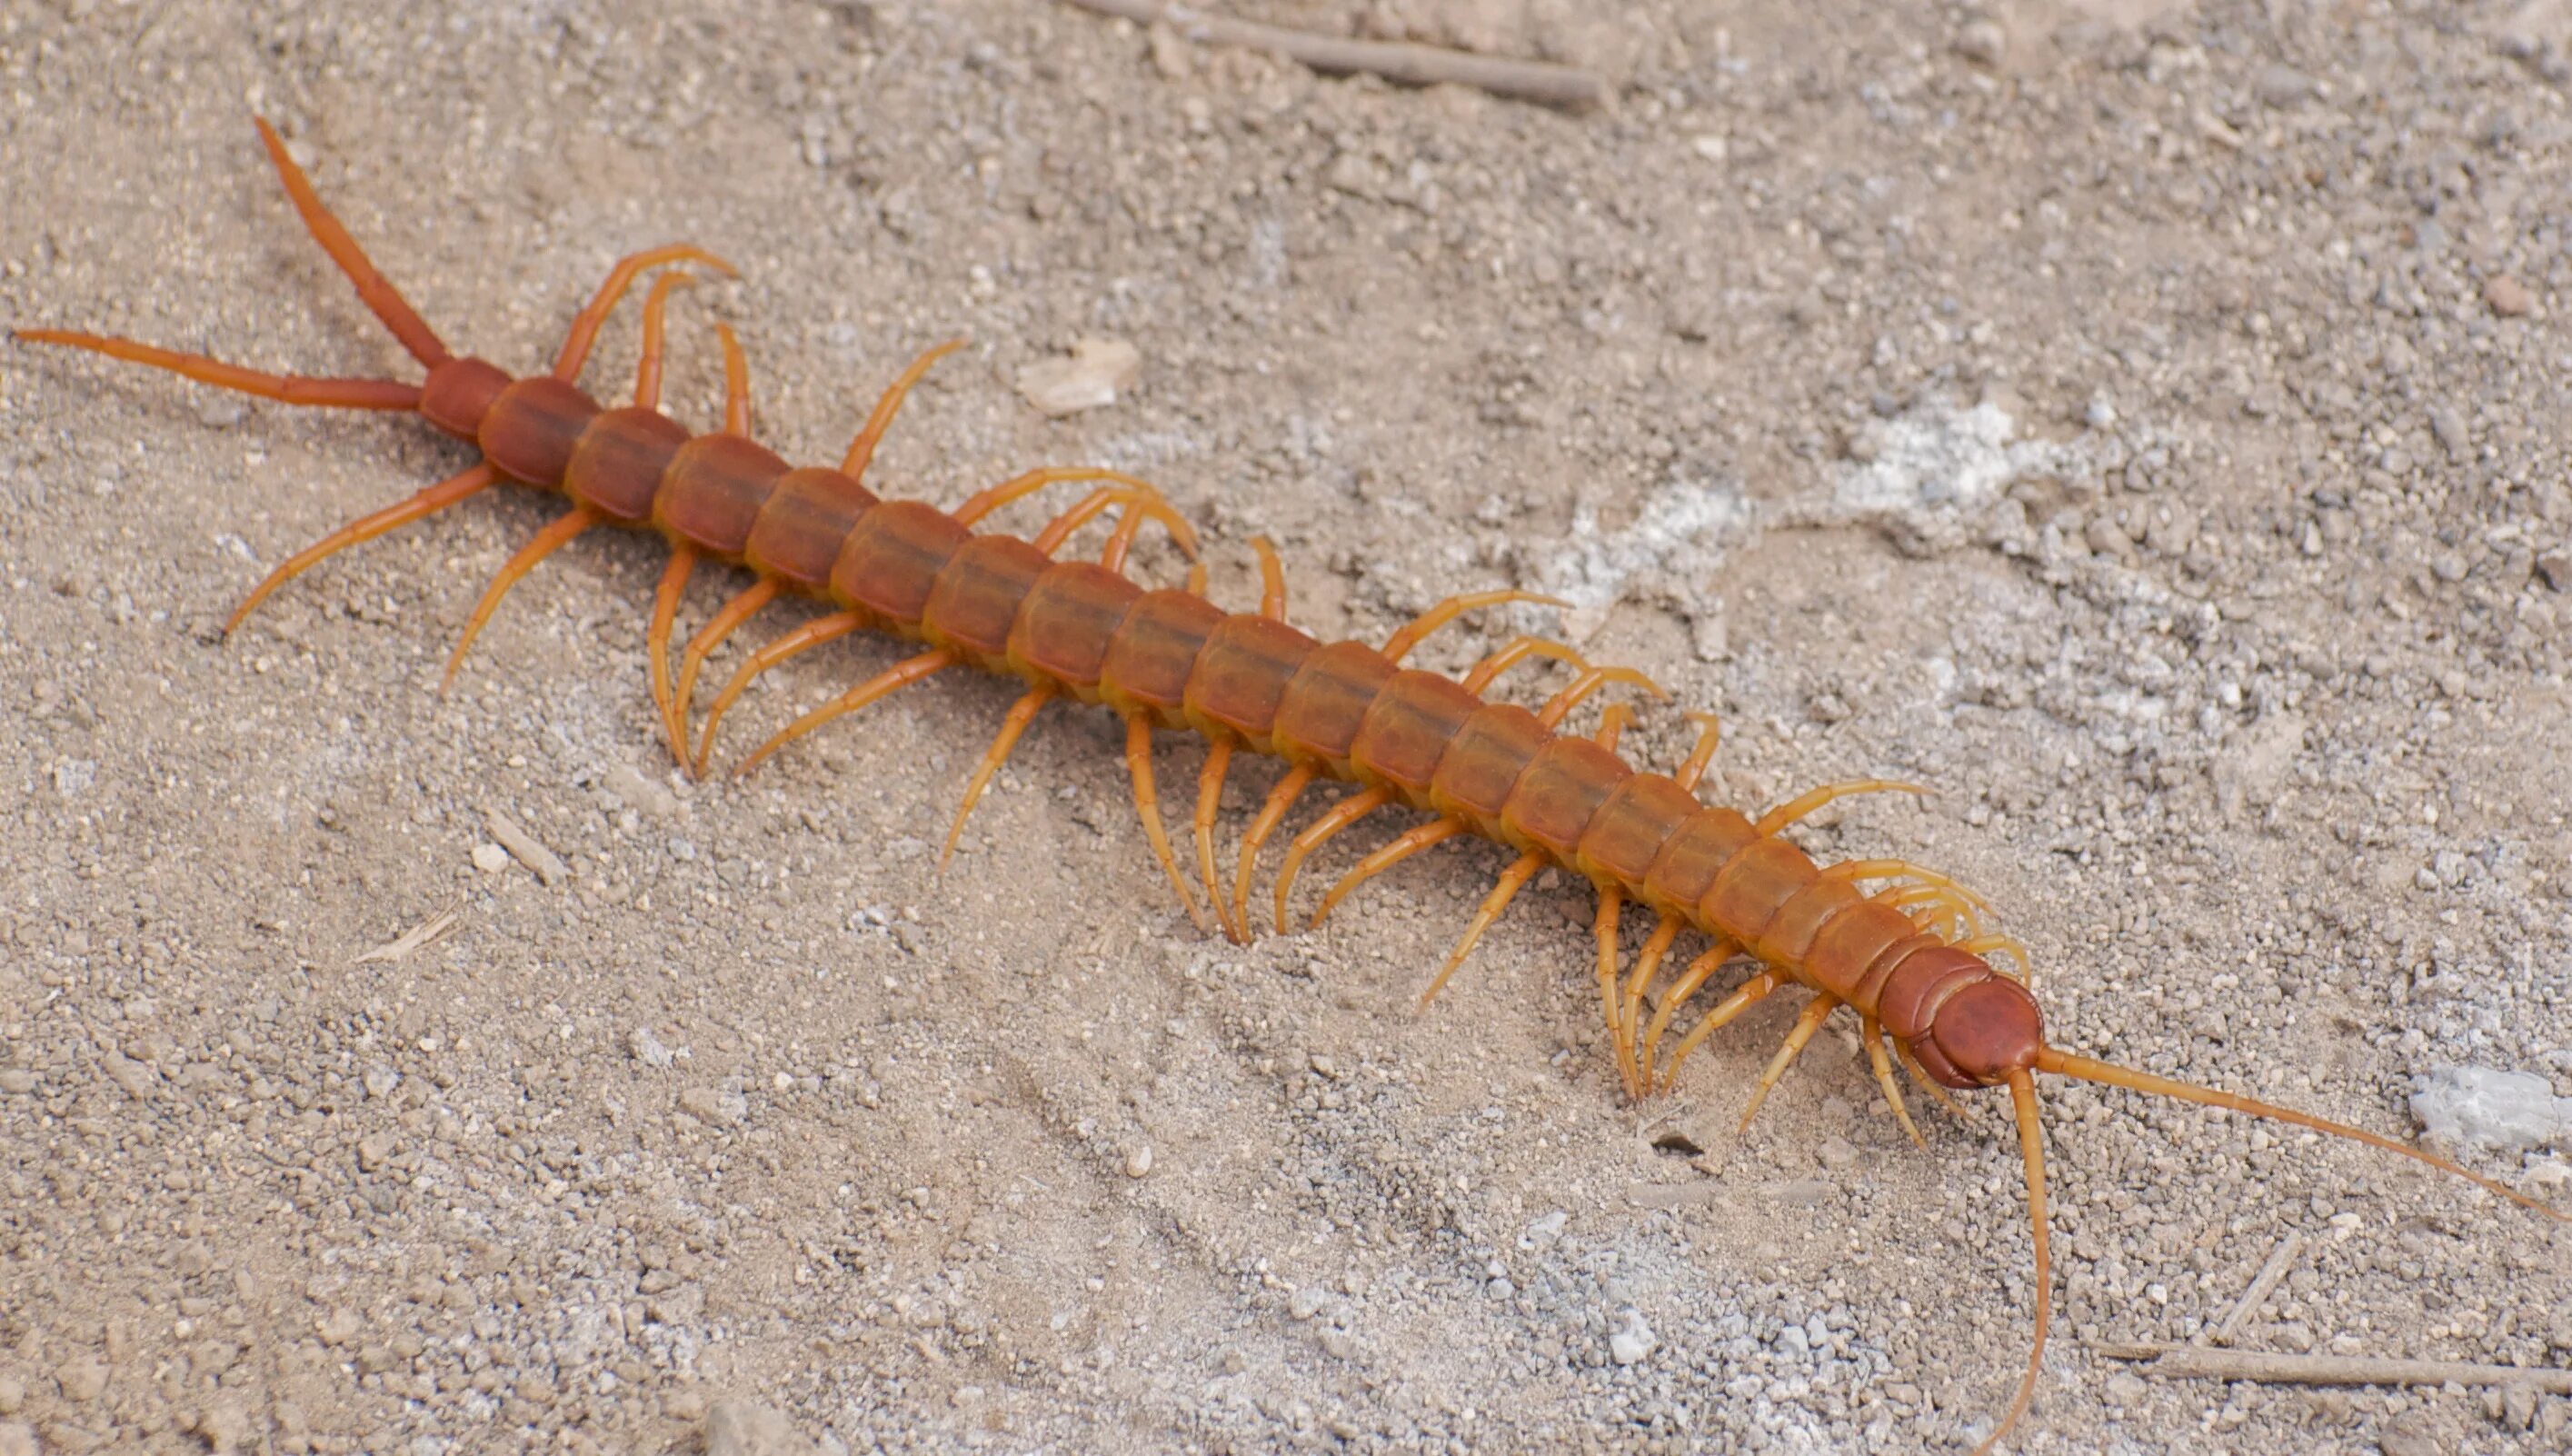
1098 370
490 858
82 1379
1138 1161
2507 297
648 1049
1630 1345
17 1438
1983 41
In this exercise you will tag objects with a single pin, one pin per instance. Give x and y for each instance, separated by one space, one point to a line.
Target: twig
395 950
2186 1362
1412 65
2280 1260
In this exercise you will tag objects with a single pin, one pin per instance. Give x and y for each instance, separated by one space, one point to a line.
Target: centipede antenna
283 388
2066 1064
2031 1148
380 297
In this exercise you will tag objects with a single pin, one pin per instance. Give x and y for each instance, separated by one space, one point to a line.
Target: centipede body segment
1901 947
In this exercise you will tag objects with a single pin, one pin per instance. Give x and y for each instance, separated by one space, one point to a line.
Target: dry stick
1412 65
2198 1362
2280 1260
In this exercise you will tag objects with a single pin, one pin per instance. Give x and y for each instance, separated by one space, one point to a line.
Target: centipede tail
1903 947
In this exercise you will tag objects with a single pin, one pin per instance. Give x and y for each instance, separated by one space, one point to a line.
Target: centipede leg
1516 650
2009 946
365 529
1272 579
812 634
1588 681
1816 1013
744 605
1745 995
862 450
1147 802
1280 799
1928 1083
299 389
1891 869
984 501
900 675
647 369
1149 506
1709 732
584 325
544 543
1629 1017
1812 799
1513 880
1693 977
656 643
1871 1031
1021 713
736 383
1602 928
381 298
1417 630
1209 799
1347 812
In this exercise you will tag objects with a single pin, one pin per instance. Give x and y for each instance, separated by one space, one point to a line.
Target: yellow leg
544 543
1021 713
1681 990
1147 802
1272 580
1894 869
1218 762
2008 945
1399 645
656 639
1589 681
1871 1031
1709 732
1280 799
900 675
1632 1015
812 634
365 529
1806 1026
862 450
1513 880
1514 651
1796 808
1603 927
744 605
1920 1075
1745 995
1410 842
736 384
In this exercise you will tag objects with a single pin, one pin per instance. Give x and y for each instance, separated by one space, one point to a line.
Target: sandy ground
2144 423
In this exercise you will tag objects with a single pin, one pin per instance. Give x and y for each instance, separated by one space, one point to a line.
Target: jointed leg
1513 880
862 449
1514 651
1952 907
656 643
1147 802
984 501
365 529
647 372
812 634
1603 926
1280 799
1709 732
1871 1031
1148 504
1894 869
1589 681
1410 842
1218 762
380 297
1272 580
1796 808
1021 713
542 545
1631 1014
1920 1075
1681 990
2009 946
1818 1012
1399 645
1745 995
283 388
745 604
900 675
584 325
736 384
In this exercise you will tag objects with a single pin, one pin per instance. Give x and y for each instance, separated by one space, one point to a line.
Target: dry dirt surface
2143 423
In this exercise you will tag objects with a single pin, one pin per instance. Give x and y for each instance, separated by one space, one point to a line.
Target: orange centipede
1900 946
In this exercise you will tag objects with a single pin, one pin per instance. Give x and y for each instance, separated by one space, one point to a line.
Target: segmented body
1909 959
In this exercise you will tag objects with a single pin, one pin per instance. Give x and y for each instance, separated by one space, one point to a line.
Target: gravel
2237 661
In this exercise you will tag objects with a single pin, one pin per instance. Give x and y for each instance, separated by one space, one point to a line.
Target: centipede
1902 948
